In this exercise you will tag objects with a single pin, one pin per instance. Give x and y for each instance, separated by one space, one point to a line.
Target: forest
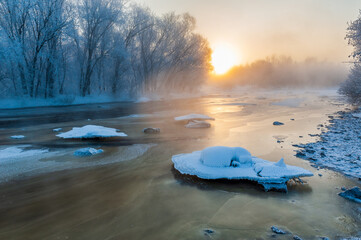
50 48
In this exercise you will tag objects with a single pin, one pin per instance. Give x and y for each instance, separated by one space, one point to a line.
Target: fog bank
284 72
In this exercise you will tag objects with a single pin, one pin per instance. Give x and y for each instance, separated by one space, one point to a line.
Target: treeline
85 47
284 72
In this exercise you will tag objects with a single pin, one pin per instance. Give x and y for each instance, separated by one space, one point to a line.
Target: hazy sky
259 28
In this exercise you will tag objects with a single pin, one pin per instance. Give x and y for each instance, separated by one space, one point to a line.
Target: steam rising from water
283 72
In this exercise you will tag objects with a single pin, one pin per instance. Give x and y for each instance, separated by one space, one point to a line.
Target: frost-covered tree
351 88
82 47
31 30
94 25
166 53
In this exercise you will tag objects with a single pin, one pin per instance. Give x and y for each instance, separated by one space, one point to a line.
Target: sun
223 59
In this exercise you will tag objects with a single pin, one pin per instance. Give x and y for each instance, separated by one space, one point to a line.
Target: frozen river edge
339 147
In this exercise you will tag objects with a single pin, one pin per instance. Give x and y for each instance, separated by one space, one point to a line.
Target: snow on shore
92 131
339 148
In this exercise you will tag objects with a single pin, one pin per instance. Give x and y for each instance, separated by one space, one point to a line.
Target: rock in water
353 194
277 230
198 124
208 231
85 152
277 123
151 130
17 137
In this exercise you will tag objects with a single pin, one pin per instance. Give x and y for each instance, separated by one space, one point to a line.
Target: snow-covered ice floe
192 116
17 137
16 152
198 124
84 152
92 131
236 164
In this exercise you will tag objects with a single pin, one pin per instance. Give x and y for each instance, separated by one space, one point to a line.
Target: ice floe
15 152
92 131
236 164
193 116
197 124
17 137
57 129
84 152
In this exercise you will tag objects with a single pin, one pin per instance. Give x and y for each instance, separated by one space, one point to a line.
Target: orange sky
256 29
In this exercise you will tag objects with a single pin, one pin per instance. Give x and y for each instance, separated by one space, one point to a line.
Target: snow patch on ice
193 116
17 137
197 124
92 131
16 152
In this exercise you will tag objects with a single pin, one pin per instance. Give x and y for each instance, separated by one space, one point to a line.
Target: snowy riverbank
338 147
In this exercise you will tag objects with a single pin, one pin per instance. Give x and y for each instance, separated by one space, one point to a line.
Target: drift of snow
197 124
339 148
15 152
193 116
237 163
17 137
92 131
84 152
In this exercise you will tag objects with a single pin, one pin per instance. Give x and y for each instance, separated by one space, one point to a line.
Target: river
131 191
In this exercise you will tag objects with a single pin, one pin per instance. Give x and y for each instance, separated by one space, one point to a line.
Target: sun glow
223 59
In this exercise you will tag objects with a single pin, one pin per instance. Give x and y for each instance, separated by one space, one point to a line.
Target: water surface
145 198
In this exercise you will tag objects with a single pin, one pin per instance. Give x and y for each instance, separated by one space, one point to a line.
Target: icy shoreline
338 148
